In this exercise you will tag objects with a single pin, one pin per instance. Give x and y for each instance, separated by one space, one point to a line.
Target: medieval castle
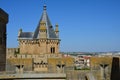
39 51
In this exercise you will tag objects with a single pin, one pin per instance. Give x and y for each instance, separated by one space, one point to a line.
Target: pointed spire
50 31
20 31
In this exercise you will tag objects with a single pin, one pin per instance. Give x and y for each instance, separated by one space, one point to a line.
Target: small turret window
52 50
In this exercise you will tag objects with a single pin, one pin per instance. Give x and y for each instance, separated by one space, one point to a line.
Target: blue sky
85 25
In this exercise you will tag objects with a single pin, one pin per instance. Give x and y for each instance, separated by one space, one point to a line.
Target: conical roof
35 35
50 31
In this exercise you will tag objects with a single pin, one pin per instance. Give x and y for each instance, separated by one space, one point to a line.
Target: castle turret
43 30
44 40
20 31
57 30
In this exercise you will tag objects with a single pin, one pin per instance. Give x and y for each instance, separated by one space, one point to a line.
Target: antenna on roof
45 2
44 7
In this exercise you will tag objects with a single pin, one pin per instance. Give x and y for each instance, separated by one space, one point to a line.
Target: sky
84 25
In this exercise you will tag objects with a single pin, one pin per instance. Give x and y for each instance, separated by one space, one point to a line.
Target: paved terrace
31 75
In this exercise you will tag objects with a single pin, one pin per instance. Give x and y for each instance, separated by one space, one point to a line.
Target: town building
82 61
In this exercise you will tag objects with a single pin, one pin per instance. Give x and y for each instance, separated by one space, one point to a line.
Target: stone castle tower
3 22
39 50
45 40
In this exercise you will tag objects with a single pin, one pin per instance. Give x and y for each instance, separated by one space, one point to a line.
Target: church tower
45 40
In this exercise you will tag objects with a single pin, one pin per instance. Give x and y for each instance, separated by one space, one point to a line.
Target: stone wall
3 22
13 64
115 70
11 52
60 65
99 72
30 62
42 46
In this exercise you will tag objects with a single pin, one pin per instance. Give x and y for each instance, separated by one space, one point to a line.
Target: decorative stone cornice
37 41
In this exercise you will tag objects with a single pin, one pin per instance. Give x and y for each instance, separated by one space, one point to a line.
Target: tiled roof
26 35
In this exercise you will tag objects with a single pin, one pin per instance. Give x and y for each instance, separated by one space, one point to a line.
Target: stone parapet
38 76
